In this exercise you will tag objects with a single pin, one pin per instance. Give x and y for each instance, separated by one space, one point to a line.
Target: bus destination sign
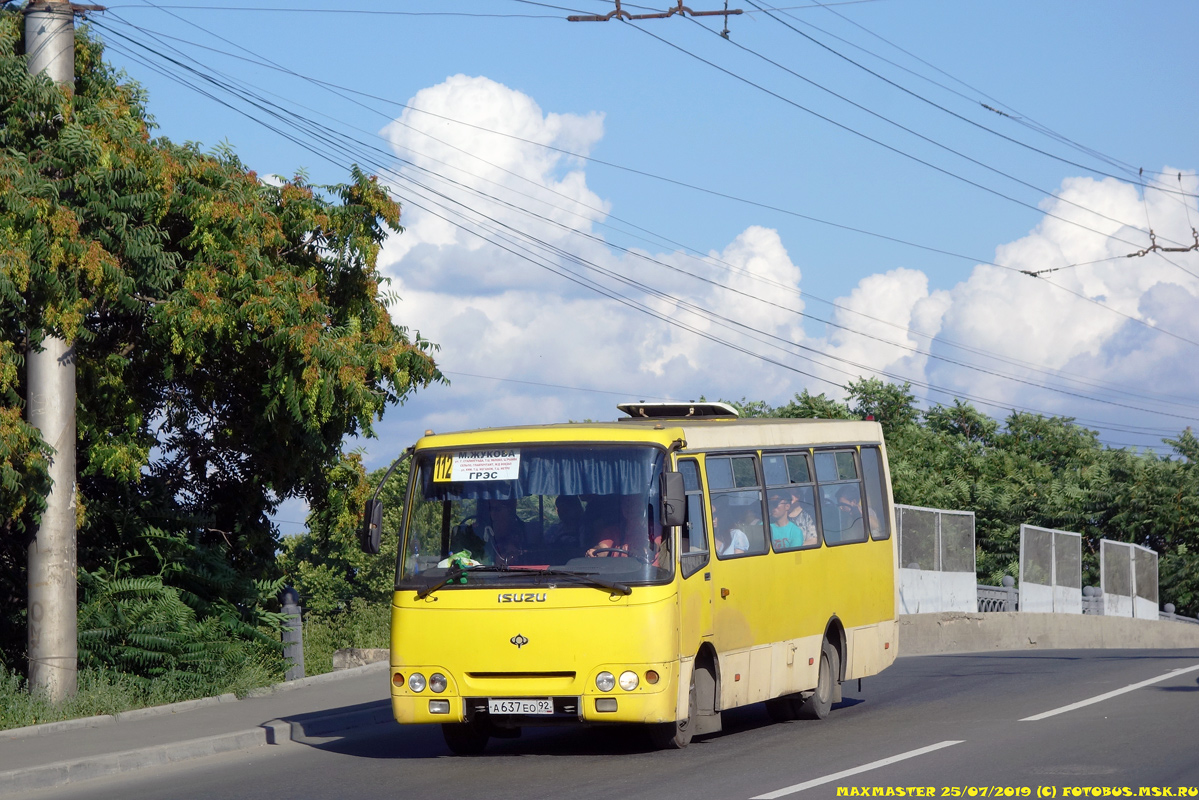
477 465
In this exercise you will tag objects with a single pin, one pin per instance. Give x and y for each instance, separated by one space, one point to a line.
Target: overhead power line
333 139
879 142
942 108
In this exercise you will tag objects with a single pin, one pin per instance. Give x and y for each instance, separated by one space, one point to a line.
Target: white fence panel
1050 570
959 591
919 591
1117 605
1067 600
936 559
1128 577
1145 609
1036 598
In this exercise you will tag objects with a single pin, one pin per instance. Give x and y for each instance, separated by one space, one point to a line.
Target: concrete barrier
959 632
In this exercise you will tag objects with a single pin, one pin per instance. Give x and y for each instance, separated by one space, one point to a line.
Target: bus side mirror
371 533
674 499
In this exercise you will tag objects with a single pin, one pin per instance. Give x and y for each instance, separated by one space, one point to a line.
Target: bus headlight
437 682
605 681
416 682
628 680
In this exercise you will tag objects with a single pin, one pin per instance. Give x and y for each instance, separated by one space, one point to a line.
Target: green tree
809 406
891 405
326 564
230 332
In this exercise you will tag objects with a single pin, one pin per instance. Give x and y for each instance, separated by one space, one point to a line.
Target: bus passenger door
695 588
744 610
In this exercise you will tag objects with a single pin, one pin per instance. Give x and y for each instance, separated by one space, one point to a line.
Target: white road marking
1100 698
799 787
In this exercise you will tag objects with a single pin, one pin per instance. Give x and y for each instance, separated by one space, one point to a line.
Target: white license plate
520 705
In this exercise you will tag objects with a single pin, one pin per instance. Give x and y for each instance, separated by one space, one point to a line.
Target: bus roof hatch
678 410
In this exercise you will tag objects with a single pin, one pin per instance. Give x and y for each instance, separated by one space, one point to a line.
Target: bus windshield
514 513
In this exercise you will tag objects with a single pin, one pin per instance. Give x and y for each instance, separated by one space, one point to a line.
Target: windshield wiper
456 573
585 577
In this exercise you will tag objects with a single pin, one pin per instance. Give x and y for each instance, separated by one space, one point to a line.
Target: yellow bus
658 569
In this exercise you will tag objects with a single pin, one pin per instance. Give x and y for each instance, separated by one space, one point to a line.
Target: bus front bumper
587 709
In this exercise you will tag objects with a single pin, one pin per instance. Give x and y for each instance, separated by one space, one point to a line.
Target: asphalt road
951 724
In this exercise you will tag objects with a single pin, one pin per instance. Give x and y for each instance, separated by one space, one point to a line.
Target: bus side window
842 509
737 516
694 551
790 501
877 516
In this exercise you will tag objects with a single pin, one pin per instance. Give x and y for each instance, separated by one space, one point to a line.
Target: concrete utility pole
53 610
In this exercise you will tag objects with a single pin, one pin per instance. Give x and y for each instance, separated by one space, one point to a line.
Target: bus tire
676 735
464 738
820 702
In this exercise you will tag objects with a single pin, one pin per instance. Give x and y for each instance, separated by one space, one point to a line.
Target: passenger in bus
849 513
803 514
784 532
729 538
568 530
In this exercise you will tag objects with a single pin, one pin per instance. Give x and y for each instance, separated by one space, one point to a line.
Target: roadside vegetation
104 691
345 593
231 335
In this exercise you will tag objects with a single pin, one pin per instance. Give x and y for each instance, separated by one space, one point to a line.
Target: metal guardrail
1167 613
1007 598
1092 600
999 598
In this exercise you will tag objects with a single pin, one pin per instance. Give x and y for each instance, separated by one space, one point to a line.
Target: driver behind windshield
629 534
504 534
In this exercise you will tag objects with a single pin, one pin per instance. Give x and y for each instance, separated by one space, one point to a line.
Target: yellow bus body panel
765 616
567 635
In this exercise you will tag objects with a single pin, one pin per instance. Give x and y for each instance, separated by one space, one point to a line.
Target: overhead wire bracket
679 9
1194 246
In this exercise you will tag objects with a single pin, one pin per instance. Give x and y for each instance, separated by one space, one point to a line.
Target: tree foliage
326 565
176 622
230 332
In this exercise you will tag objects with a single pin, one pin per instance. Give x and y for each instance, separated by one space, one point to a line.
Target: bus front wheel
820 702
464 738
676 735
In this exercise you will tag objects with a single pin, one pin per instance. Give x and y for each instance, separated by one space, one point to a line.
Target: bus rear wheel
464 738
676 735
820 702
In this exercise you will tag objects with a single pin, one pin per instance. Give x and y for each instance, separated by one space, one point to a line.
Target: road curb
272 732
301 730
60 773
47 728
325 677
275 731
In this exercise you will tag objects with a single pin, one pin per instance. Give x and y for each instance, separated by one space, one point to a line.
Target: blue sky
708 171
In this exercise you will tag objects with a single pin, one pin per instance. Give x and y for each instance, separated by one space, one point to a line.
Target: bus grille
528 676
515 684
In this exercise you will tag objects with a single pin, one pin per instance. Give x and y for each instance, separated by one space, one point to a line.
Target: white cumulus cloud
503 231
